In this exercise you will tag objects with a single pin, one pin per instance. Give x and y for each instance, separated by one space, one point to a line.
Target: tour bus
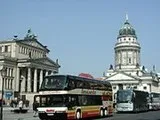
130 100
72 97
154 101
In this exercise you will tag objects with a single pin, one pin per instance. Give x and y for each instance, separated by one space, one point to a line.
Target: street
151 115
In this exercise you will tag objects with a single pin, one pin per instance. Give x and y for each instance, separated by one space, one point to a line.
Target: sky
82 34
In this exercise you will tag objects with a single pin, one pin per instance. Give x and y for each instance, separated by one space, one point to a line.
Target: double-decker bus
72 97
154 101
130 100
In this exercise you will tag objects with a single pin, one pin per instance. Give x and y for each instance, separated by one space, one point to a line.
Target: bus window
43 101
55 101
86 85
53 83
71 84
82 100
71 101
94 100
79 84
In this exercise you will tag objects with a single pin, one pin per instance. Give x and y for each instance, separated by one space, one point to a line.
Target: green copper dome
127 30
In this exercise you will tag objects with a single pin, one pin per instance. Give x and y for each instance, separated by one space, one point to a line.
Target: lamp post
3 72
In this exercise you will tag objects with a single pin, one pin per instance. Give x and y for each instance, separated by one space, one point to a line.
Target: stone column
29 80
41 78
137 57
46 73
8 71
23 83
1 81
119 59
35 80
5 83
122 57
17 79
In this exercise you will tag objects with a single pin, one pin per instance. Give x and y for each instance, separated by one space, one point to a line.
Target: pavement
8 108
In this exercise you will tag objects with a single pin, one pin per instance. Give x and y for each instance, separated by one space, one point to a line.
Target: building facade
26 63
128 71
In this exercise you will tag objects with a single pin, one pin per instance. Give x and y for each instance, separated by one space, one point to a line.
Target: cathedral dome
127 30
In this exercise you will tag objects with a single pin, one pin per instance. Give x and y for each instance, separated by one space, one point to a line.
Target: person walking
20 104
35 110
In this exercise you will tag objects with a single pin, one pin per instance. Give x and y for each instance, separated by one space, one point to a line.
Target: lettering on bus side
88 92
107 93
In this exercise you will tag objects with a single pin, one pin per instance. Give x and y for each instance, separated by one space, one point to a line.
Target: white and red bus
72 97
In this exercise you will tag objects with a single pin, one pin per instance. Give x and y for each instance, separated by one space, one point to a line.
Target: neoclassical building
127 71
26 63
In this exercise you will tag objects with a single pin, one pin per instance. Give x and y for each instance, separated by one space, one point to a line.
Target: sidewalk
8 108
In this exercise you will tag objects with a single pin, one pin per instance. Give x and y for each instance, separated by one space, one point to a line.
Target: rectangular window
129 60
135 87
6 49
11 84
0 48
85 100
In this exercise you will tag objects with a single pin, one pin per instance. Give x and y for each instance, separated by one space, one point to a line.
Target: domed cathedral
127 48
127 71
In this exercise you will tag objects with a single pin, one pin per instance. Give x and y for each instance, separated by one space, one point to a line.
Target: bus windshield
53 83
124 96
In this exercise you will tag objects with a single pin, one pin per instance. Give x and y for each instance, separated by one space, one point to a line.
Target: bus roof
82 79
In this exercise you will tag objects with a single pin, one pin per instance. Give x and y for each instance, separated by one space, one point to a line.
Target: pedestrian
35 110
20 104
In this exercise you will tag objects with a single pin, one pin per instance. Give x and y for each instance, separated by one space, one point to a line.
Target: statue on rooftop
30 35
111 67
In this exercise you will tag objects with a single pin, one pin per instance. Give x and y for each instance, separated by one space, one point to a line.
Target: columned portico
25 78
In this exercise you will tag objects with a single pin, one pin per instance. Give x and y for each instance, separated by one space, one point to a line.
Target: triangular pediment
121 76
46 61
34 43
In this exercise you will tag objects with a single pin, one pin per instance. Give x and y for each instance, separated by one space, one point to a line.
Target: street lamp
3 72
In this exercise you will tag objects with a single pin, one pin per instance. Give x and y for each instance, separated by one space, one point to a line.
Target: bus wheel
101 113
78 115
105 112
